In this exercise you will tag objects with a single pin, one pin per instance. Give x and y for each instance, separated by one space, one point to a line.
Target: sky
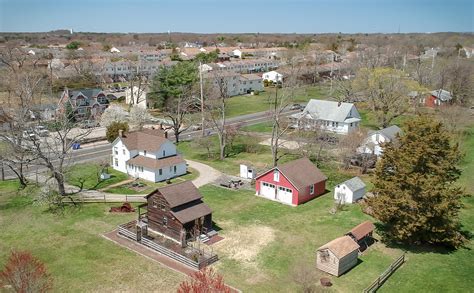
251 16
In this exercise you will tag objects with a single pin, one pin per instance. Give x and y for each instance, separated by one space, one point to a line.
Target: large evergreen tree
416 197
168 83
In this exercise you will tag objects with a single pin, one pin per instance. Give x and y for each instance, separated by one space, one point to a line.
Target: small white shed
247 172
349 191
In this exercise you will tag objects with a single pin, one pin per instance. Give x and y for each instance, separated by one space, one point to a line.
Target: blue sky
264 16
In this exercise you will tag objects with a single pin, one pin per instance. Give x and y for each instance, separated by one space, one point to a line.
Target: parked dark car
296 107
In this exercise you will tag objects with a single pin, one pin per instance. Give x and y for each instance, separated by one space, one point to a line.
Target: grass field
88 172
79 259
247 104
150 186
264 241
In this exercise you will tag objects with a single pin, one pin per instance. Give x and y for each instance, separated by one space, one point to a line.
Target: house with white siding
147 154
375 139
349 191
329 116
273 76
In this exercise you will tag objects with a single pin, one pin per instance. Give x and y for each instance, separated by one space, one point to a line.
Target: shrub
25 273
113 130
206 280
73 45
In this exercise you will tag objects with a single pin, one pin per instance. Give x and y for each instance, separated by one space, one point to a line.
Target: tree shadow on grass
421 248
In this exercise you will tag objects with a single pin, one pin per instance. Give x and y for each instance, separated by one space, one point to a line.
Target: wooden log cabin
178 212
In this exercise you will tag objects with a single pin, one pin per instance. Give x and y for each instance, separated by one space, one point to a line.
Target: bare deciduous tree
386 91
216 105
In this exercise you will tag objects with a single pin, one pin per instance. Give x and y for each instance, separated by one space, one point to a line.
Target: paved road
101 150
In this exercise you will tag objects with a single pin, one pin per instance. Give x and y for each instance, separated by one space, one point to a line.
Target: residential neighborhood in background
261 161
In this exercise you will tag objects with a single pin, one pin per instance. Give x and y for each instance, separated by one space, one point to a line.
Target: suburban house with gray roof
349 191
292 183
375 139
147 154
329 116
85 103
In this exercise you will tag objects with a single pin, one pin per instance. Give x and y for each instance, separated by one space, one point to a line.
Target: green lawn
71 246
295 234
264 127
88 172
247 104
150 186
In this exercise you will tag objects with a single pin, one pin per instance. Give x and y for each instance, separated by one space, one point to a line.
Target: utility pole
202 99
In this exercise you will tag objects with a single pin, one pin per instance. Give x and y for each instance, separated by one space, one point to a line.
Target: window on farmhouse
154 203
160 172
116 162
311 189
165 221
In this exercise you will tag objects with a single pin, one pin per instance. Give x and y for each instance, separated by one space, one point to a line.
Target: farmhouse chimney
339 104
166 134
120 133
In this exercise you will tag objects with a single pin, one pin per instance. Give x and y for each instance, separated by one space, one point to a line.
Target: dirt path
207 174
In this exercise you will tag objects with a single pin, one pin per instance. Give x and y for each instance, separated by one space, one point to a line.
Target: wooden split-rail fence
385 275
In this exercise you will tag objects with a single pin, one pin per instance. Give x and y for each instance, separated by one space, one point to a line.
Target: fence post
105 200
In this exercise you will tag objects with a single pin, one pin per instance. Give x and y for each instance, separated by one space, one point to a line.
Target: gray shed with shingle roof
349 191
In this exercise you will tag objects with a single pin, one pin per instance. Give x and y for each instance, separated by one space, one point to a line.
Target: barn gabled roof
301 173
341 246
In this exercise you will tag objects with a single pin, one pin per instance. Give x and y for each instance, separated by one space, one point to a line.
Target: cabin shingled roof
341 246
362 230
178 194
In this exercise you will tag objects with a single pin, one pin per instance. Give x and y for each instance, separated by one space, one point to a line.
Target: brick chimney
121 133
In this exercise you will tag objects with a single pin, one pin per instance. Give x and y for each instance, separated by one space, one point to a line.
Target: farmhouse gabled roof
301 173
341 246
146 139
361 230
330 110
390 132
354 184
179 194
155 164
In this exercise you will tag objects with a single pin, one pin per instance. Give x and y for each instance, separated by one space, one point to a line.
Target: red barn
438 98
292 183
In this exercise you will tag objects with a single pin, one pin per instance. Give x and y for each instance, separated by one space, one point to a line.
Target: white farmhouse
273 76
330 116
147 154
237 53
372 144
138 98
349 191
